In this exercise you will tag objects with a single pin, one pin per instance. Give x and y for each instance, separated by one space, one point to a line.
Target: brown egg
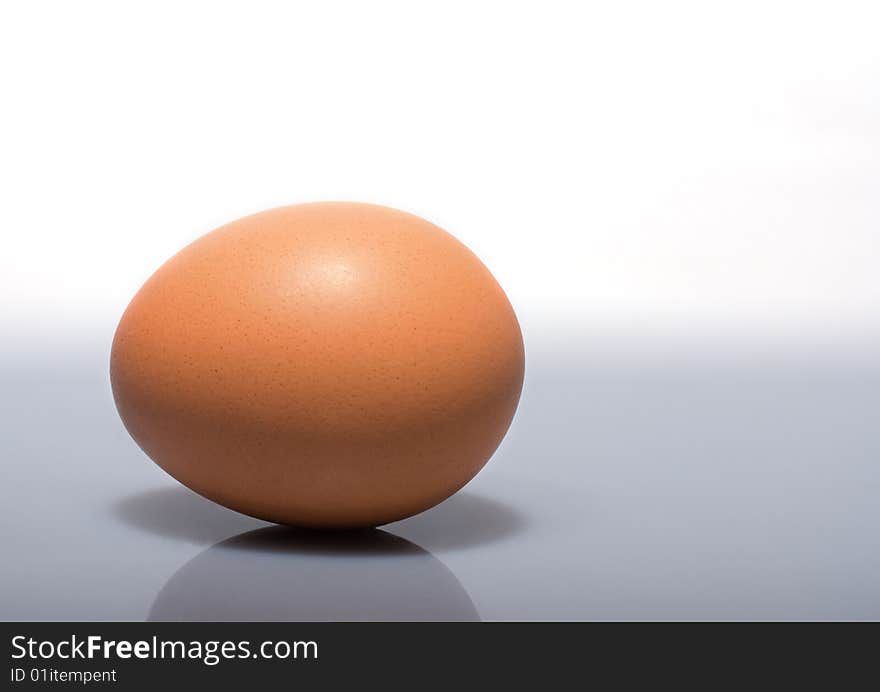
327 365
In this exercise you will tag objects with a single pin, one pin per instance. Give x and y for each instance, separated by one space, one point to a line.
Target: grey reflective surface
635 483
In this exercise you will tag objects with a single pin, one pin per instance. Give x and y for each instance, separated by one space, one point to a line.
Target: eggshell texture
326 365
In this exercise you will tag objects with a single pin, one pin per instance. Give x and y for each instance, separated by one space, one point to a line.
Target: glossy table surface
639 481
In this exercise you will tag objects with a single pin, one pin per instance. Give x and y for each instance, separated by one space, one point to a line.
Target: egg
326 365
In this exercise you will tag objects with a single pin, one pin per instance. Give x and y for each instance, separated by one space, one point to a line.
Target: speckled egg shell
326 365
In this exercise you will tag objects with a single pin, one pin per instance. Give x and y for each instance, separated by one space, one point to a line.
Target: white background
681 201
682 165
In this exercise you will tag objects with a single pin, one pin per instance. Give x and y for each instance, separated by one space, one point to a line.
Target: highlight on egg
326 365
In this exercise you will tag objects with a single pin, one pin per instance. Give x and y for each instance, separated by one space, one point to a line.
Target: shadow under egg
283 574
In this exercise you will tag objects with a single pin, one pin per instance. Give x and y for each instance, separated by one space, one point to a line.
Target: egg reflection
283 574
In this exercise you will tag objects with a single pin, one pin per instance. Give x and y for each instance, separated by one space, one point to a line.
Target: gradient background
681 201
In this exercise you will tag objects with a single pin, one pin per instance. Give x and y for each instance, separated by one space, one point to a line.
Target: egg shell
324 365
